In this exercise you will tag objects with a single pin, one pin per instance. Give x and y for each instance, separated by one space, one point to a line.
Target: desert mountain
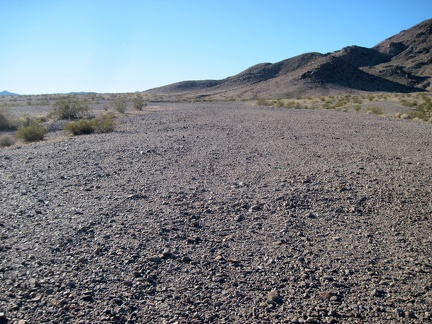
7 93
401 63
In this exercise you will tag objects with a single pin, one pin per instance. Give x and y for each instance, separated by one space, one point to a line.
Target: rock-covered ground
221 213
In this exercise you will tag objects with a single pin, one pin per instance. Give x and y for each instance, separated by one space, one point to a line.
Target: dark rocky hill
401 63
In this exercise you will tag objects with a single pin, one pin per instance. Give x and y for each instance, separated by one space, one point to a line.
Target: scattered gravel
221 212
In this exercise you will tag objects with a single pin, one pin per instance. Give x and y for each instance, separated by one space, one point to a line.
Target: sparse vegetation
80 127
119 105
6 140
31 130
104 123
70 107
6 121
375 111
138 102
262 102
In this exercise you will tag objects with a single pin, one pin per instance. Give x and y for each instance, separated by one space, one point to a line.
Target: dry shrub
6 140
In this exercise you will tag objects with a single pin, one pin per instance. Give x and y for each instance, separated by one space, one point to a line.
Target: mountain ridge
400 63
7 93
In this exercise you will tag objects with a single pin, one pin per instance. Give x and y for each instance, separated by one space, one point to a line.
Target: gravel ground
221 213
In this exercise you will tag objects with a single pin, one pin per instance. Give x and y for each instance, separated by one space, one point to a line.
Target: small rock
377 293
71 284
137 274
239 218
311 215
34 283
400 312
186 259
154 258
255 208
37 298
274 297
87 298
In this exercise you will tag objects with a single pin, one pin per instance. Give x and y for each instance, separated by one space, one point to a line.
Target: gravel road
221 213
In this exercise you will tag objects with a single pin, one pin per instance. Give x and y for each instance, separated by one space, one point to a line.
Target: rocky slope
220 213
402 63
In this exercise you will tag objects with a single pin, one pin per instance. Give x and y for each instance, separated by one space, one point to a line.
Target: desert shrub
357 107
119 105
375 111
138 102
80 127
357 100
6 121
26 120
262 102
31 130
408 103
292 104
104 123
6 140
70 107
279 104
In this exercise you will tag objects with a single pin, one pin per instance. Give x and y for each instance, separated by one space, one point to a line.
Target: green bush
138 102
70 107
6 140
31 130
104 123
80 127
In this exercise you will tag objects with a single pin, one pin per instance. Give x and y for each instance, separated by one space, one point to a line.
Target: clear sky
58 46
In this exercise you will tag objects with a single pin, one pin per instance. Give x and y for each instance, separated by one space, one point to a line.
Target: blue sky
58 46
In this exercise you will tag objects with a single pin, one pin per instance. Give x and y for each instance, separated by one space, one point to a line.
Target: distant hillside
401 63
7 93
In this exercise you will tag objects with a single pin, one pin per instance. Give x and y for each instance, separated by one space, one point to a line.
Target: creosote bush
30 129
138 102
104 123
80 127
70 107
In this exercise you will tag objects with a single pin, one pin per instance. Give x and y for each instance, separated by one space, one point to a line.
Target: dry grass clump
7 140
375 111
6 120
119 105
